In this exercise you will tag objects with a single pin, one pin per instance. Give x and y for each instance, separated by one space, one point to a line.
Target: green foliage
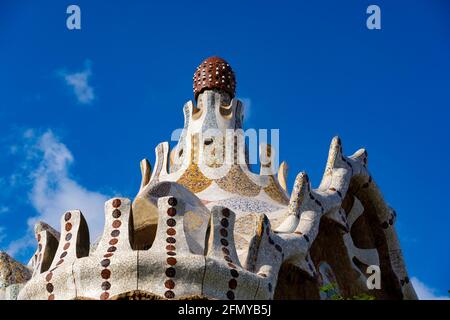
331 291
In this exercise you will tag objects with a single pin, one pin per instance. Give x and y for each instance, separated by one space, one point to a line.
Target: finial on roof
214 73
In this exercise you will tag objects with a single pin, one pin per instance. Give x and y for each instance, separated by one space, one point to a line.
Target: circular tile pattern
171 253
226 212
48 277
116 203
104 296
51 297
171 261
63 254
223 232
171 212
224 222
111 249
170 272
171 240
230 295
171 222
105 263
169 284
67 216
116 224
113 241
224 242
115 233
49 287
116 213
234 273
68 237
66 246
172 201
171 231
170 247
106 274
68 226
169 294
232 284
106 285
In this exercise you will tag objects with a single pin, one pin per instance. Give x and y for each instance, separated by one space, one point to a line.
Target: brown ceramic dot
115 233
224 242
223 232
169 294
171 222
68 236
170 272
232 284
113 241
171 240
60 262
116 203
171 231
105 263
106 274
67 216
51 297
224 222
108 255
38 237
170 247
226 212
63 254
68 226
171 253
172 201
171 261
116 213
225 251
234 273
116 224
66 246
106 286
49 287
104 296
48 277
39 247
228 259
169 284
111 249
230 295
171 212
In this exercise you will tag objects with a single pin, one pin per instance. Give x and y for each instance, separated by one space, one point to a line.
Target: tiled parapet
225 278
169 269
112 268
58 281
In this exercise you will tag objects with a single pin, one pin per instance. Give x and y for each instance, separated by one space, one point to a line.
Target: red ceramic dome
214 73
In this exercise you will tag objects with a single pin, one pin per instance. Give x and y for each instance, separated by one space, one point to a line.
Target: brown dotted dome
214 73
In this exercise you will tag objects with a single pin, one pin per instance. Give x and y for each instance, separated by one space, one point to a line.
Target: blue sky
80 109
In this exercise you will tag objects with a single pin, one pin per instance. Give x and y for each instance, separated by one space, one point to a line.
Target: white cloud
79 83
53 191
424 292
